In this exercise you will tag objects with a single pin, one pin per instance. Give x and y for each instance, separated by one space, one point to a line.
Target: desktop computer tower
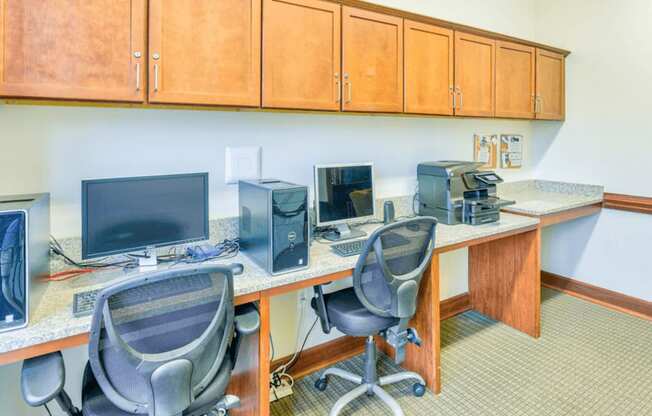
24 256
274 224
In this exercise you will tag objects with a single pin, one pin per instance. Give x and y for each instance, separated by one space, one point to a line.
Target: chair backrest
388 273
158 341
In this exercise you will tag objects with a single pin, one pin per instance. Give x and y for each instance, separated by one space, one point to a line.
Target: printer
457 192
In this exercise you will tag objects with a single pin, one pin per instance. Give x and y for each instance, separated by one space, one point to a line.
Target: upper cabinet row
296 54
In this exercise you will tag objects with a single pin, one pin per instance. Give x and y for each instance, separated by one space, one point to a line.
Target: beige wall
605 140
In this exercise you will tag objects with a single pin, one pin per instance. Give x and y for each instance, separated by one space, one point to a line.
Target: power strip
279 392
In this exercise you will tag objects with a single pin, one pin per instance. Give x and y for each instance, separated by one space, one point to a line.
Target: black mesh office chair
382 301
160 345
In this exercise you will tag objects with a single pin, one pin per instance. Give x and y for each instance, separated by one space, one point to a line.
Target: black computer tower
274 224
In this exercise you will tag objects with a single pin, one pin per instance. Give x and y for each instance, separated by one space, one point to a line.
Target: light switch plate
242 163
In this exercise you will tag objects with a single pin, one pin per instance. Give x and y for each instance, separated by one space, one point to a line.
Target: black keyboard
354 248
84 302
349 248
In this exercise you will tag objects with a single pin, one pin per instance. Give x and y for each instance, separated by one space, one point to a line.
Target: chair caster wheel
418 389
321 384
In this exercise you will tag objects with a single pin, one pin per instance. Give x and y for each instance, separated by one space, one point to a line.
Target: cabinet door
301 54
372 64
474 75
67 49
429 66
551 95
515 80
205 52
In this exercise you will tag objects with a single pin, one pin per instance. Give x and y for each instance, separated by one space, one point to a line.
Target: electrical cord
103 263
48 409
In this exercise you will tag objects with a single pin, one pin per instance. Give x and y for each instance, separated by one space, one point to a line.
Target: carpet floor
589 360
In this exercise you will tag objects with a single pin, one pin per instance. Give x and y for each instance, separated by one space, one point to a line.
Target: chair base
370 383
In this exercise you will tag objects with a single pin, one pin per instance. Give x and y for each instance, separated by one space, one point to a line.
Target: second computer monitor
343 194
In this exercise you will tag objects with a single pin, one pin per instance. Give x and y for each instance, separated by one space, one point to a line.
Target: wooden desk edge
82 339
562 216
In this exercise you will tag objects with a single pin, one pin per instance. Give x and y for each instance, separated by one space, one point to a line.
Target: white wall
54 148
605 140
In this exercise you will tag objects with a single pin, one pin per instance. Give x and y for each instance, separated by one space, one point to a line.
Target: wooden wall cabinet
515 80
550 86
301 54
429 69
66 49
372 61
474 75
205 52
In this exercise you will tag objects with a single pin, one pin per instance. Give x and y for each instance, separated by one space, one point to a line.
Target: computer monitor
125 215
344 194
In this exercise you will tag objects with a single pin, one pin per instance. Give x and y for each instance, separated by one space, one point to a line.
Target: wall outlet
279 392
242 163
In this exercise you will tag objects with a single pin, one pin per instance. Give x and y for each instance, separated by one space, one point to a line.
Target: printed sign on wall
511 151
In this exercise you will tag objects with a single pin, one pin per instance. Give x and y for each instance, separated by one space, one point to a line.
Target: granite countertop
53 318
540 197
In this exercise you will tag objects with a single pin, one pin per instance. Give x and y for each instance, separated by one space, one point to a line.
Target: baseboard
604 297
340 349
323 355
454 306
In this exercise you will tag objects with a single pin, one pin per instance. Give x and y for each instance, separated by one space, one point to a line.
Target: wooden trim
42 349
445 24
323 355
563 216
264 356
454 306
604 297
632 203
471 243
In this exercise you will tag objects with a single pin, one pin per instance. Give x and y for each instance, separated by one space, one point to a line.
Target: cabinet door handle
338 85
347 83
452 91
155 77
350 92
540 104
156 57
137 76
459 91
137 55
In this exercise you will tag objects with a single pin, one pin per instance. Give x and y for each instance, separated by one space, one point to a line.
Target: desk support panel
426 359
505 281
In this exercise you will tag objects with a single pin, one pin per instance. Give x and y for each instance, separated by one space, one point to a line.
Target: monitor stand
344 232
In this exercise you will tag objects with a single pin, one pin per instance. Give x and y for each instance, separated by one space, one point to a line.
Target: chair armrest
247 320
42 378
318 303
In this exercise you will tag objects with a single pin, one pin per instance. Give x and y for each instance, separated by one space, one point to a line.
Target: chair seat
95 403
349 316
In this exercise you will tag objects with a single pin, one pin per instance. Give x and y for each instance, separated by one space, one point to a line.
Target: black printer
457 192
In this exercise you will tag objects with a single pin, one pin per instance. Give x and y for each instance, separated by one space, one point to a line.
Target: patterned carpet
589 361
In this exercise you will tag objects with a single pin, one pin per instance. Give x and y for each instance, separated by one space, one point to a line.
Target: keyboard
349 248
354 248
84 302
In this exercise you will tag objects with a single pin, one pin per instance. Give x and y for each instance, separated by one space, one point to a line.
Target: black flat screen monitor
130 214
343 193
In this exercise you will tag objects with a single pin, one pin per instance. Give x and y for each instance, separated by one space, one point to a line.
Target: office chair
12 282
161 344
381 302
